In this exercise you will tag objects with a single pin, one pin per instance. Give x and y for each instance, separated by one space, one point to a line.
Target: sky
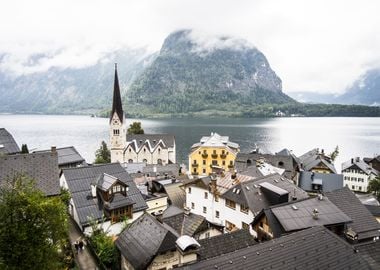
313 46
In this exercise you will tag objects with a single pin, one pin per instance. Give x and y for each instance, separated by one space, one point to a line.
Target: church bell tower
117 124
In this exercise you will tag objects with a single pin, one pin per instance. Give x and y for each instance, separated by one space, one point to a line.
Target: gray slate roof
224 243
79 181
184 224
314 248
42 167
67 155
252 196
357 163
364 224
374 210
329 181
313 158
146 237
8 144
176 194
302 218
370 251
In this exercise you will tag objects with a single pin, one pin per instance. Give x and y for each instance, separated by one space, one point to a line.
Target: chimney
312 176
213 184
357 159
93 190
352 161
315 213
154 169
53 149
186 210
320 197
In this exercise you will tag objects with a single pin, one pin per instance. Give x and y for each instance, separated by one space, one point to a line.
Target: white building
233 200
148 148
357 174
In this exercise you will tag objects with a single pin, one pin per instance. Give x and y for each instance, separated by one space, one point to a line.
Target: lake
354 136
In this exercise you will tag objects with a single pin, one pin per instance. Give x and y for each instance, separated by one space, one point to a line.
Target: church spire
116 105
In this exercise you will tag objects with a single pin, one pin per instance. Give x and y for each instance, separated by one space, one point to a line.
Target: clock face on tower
115 122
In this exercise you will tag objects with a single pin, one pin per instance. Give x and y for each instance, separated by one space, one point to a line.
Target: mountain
71 90
364 91
192 74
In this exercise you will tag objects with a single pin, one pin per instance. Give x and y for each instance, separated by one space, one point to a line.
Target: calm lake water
355 136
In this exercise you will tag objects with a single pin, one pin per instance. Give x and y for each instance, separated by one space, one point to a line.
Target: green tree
33 227
374 186
135 128
335 153
24 149
103 154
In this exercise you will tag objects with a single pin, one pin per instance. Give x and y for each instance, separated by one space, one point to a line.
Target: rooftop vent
247 188
315 213
294 207
238 191
320 197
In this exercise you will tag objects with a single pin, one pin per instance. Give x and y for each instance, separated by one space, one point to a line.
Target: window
244 209
353 187
130 150
189 190
360 188
192 205
214 162
216 198
231 162
195 170
130 160
204 170
244 226
224 162
261 224
195 162
159 150
204 210
230 226
204 162
207 234
159 161
217 214
214 152
144 160
206 195
116 132
230 204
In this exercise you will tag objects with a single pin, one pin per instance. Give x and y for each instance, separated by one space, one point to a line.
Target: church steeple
116 104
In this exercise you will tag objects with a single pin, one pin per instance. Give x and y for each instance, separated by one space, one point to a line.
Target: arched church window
159 161
130 160
144 160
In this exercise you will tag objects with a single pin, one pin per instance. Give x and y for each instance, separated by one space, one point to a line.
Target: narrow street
84 259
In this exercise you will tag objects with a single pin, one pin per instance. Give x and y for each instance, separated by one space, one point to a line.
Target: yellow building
212 152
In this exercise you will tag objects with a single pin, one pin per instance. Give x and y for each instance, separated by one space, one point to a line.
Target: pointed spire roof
116 104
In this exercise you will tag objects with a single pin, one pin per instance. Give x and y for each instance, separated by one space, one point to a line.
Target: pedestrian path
84 258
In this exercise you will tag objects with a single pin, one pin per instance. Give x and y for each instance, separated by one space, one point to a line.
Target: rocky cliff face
194 73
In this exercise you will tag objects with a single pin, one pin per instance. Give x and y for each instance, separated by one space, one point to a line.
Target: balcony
223 156
230 166
204 155
214 156
194 165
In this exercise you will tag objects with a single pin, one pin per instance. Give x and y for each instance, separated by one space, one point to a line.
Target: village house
317 161
357 174
313 248
233 200
147 148
149 244
42 168
279 220
102 193
374 162
212 153
68 157
8 145
315 183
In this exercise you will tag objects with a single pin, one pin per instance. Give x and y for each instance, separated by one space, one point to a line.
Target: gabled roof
176 194
363 223
329 181
313 158
299 215
314 248
106 181
145 238
215 140
357 163
116 102
314 163
67 155
8 144
250 193
370 251
185 224
246 160
151 141
224 243
79 181
42 167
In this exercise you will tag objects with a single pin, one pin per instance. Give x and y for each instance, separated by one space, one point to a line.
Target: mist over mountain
71 90
364 91
195 73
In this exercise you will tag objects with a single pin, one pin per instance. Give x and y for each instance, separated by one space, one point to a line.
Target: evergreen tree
335 154
135 128
103 154
33 227
24 149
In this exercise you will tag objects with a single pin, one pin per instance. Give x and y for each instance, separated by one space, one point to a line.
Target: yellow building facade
212 152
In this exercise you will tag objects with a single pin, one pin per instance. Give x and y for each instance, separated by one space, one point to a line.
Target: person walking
76 245
81 245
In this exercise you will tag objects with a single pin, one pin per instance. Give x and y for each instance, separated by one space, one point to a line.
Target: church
134 148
